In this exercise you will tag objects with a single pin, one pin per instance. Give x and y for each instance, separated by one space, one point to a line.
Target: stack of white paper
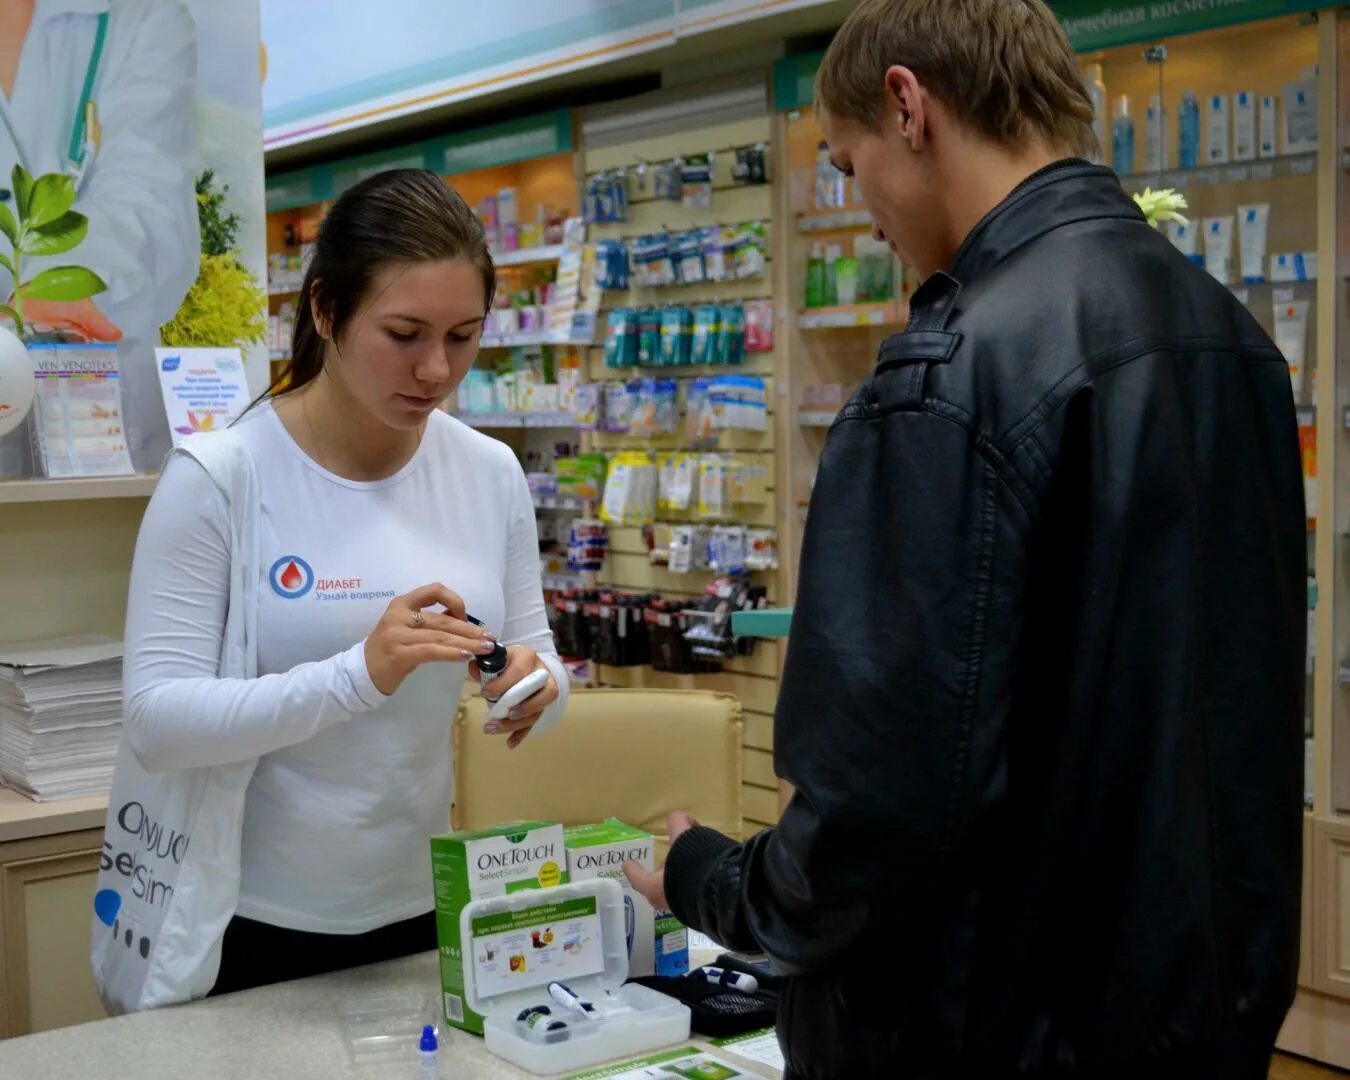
60 716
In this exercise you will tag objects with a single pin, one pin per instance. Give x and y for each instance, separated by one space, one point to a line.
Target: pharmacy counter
22 819
291 1030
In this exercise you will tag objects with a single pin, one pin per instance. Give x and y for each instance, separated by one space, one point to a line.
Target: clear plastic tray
380 1030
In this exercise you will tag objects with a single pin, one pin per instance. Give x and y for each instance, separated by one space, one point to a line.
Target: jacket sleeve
178 713
892 708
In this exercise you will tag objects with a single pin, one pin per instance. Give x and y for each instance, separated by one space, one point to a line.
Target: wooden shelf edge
77 490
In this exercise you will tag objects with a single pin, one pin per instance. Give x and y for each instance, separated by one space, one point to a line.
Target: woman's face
414 339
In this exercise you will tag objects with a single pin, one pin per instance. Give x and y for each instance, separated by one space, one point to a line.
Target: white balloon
16 381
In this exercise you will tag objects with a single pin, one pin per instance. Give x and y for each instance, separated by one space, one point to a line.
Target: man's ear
906 105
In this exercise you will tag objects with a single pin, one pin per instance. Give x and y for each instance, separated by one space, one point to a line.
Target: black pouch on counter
719 1012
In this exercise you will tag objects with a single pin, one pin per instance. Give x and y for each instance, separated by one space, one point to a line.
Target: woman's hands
408 636
521 720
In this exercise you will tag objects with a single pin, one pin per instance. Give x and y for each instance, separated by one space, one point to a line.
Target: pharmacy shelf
838 318
283 290
279 355
1275 292
531 337
839 219
817 419
1233 173
77 490
559 582
526 256
557 502
493 421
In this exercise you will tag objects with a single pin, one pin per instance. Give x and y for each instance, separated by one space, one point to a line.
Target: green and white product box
657 942
467 866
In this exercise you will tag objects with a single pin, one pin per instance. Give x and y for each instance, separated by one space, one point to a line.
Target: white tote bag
168 881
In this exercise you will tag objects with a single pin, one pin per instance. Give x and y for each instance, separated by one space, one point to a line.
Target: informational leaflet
760 1046
204 389
78 426
514 950
688 1063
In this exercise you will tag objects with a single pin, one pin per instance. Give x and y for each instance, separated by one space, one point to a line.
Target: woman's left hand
520 722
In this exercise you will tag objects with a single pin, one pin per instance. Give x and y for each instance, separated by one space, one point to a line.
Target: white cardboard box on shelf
516 946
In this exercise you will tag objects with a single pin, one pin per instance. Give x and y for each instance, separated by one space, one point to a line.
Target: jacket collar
1060 194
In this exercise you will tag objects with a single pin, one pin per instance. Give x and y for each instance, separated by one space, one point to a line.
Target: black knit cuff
688 865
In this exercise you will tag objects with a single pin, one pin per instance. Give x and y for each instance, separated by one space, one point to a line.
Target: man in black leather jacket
1042 704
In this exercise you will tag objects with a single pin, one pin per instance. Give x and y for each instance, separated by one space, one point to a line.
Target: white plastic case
630 1020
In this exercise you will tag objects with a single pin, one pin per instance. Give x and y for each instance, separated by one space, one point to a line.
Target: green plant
218 227
226 305
46 225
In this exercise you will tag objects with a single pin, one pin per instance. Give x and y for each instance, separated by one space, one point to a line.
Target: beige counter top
21 818
289 1031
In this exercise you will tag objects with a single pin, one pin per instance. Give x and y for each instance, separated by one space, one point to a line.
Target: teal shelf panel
768 623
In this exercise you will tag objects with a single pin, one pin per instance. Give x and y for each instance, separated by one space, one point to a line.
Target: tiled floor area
1284 1068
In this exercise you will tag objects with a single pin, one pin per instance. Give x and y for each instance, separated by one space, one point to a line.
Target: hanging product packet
687 251
621 338
618 410
759 326
715 254
731 334
707 319
649 337
676 336
696 181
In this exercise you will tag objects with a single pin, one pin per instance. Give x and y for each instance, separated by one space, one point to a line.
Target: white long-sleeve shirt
351 784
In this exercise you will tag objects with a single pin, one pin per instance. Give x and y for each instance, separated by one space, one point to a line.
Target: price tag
1284 296
1263 172
1302 166
1239 175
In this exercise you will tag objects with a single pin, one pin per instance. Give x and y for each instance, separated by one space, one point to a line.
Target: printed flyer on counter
689 1063
760 1046
536 946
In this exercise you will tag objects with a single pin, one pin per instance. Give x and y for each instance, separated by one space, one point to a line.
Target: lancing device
569 1000
746 984
492 665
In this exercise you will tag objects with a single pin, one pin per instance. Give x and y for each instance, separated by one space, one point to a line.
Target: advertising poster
131 185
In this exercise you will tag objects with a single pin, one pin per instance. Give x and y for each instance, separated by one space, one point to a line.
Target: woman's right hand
398 646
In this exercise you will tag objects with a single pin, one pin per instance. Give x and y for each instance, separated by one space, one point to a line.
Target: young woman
366 492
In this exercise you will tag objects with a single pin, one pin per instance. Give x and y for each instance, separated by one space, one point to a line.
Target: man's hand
652 885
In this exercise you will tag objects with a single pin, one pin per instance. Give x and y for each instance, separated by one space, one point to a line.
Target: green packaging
468 866
706 321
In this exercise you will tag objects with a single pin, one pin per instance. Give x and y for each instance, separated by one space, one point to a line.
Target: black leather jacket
1043 696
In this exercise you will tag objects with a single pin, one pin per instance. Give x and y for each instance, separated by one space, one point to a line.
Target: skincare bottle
815 277
1096 88
1268 122
1244 126
1155 151
1216 131
1188 126
1122 138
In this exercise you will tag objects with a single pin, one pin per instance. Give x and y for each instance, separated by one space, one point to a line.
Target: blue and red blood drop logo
291 577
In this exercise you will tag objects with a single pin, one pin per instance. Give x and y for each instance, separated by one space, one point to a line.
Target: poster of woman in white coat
108 92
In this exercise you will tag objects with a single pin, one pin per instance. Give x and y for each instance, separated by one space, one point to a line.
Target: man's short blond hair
1003 67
